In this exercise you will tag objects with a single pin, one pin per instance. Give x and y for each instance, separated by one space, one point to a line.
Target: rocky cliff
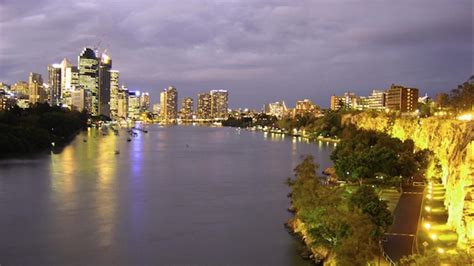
452 143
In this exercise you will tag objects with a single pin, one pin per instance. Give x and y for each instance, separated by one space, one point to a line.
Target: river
178 195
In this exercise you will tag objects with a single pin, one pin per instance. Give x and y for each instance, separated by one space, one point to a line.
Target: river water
179 195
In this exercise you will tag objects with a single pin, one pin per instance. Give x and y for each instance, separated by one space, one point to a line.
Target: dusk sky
259 50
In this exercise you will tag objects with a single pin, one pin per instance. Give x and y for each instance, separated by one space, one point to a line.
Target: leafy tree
432 258
367 200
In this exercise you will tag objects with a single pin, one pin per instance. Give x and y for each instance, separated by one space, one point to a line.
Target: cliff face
452 143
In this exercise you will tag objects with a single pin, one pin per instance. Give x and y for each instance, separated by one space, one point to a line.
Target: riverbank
38 129
299 134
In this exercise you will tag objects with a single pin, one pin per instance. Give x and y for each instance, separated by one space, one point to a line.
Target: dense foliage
34 129
262 120
459 99
369 156
432 257
347 226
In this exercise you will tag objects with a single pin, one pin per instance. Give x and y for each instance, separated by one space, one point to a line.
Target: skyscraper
134 105
114 91
187 109
204 106
54 82
219 104
169 104
71 83
88 76
122 103
104 84
36 91
65 64
144 102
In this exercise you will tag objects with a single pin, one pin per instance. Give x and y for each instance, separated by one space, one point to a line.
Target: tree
306 169
366 199
432 257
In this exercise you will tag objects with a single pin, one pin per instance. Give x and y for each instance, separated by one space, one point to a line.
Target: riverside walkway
402 234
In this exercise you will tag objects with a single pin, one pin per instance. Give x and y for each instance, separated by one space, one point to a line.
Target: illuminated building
304 107
54 82
348 101
277 109
80 99
65 64
88 66
145 102
134 105
377 100
122 103
20 88
204 106
187 109
104 85
7 99
169 104
219 104
71 78
156 109
114 90
37 93
71 82
399 98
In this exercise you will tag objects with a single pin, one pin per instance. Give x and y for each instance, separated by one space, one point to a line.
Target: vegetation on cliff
35 129
373 157
338 224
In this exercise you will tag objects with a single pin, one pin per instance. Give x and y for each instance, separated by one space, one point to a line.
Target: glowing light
427 226
428 196
440 251
465 117
428 208
434 237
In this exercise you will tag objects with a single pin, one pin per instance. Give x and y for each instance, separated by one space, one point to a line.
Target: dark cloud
260 50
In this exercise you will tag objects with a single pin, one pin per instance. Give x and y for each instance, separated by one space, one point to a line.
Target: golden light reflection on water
91 156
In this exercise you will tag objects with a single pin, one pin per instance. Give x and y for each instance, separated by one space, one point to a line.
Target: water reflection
177 195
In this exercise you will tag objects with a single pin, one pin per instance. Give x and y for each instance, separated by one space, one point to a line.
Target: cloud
260 50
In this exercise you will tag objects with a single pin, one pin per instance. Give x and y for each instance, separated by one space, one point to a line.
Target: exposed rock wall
452 143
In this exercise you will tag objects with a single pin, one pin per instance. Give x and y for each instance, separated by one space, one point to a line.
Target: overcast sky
260 50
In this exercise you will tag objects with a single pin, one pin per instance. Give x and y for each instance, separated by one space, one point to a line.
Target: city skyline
263 52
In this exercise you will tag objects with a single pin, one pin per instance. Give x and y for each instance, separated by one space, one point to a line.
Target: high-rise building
399 98
122 103
80 99
36 90
144 102
54 82
156 109
65 64
104 84
187 109
277 109
348 101
114 90
134 105
71 83
219 104
71 78
377 100
306 106
88 66
169 104
204 106
21 88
